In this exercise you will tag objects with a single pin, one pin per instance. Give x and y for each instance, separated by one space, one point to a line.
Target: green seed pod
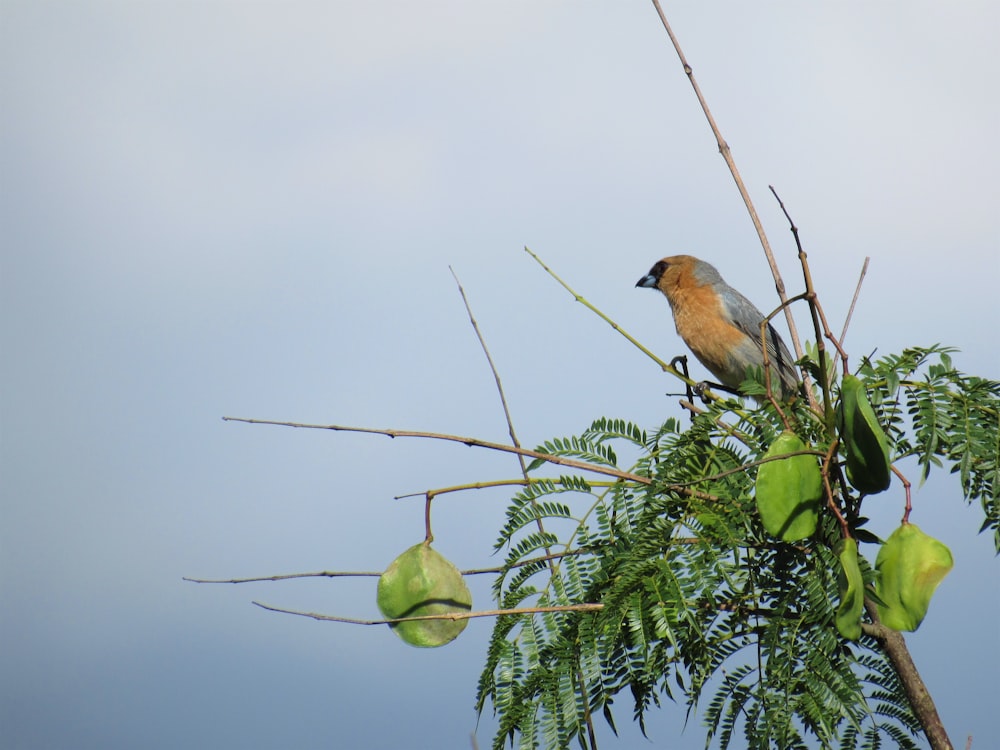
865 446
909 568
789 490
420 582
851 585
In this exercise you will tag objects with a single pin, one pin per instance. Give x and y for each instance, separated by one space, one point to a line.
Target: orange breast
700 322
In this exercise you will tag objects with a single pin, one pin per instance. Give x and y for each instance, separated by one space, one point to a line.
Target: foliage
699 604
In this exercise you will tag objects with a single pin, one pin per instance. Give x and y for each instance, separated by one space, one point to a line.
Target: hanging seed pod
788 490
419 582
909 568
865 447
851 585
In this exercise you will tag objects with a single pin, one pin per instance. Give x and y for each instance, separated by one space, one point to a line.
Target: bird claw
700 390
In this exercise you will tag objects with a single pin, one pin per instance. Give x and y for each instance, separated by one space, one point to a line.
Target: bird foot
700 390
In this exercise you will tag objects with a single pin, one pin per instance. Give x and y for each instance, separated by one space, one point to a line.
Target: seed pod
909 568
788 490
865 446
851 585
419 582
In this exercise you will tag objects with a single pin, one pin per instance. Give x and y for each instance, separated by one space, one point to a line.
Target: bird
719 325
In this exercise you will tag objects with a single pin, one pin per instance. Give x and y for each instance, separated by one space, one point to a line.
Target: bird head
669 273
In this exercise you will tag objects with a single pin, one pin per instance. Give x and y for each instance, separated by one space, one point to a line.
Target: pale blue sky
249 209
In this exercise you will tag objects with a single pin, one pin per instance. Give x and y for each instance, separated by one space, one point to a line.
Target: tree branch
894 645
779 285
377 573
443 616
469 441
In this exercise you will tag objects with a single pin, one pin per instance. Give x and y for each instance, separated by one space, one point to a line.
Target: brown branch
469 441
906 488
493 369
779 285
493 483
814 311
289 576
377 573
444 616
828 460
428 533
506 410
469 572
476 442
765 325
454 616
894 646
850 310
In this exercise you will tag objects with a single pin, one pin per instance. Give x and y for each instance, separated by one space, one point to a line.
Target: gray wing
747 318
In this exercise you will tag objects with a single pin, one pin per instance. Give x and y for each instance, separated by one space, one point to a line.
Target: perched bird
719 325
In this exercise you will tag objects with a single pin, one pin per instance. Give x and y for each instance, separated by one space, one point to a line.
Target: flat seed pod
419 582
788 490
851 585
909 568
866 448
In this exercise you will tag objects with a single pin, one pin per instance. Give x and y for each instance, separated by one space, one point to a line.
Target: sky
250 209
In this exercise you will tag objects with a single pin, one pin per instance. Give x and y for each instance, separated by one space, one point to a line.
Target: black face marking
658 269
651 279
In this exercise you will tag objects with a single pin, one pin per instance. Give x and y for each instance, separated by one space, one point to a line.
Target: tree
662 579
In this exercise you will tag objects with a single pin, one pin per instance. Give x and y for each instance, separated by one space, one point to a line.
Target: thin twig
476 442
829 460
765 328
428 533
850 311
287 576
813 301
540 525
493 369
779 285
495 483
469 441
443 616
376 573
632 340
906 489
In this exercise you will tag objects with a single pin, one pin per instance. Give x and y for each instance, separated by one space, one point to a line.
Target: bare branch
894 645
854 301
443 616
632 340
469 441
779 285
493 369
539 523
494 483
287 576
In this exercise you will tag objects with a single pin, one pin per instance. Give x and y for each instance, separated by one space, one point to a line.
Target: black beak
648 281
